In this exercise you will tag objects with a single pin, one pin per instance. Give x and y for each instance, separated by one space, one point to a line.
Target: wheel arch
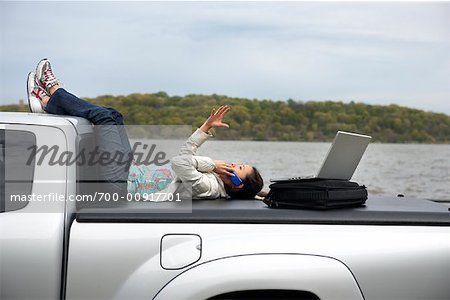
325 277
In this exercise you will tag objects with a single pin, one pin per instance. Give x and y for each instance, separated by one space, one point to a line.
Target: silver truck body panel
388 262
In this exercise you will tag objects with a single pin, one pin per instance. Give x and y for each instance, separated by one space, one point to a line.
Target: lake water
413 170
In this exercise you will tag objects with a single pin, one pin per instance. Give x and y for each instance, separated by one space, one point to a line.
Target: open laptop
342 158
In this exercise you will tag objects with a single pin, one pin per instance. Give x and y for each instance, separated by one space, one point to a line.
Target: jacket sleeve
192 144
195 170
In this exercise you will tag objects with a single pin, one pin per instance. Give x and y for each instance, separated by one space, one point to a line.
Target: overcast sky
377 53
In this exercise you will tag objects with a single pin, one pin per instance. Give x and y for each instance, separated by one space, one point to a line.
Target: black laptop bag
316 194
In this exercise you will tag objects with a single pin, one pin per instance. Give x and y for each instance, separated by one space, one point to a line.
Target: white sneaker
45 76
35 93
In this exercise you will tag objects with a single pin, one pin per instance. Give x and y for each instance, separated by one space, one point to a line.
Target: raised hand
216 118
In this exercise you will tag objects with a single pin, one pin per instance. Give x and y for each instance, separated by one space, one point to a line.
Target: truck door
31 213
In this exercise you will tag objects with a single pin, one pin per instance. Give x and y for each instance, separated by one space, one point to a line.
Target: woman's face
242 170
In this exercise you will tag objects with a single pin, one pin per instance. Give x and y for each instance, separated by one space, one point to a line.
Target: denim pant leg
110 134
65 103
113 139
122 131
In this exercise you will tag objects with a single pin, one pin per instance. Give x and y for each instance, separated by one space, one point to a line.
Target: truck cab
34 234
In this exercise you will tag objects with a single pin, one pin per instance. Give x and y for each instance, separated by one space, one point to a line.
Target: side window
16 168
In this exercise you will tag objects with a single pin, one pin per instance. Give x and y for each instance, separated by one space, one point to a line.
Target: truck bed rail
377 211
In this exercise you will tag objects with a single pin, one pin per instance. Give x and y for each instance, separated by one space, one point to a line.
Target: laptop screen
344 155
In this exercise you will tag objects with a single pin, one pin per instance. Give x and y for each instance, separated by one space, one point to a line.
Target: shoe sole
33 103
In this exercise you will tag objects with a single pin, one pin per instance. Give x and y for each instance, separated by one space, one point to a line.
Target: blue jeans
110 135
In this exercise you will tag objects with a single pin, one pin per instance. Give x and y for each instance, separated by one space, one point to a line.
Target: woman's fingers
223 168
227 167
225 110
219 110
228 171
222 110
217 115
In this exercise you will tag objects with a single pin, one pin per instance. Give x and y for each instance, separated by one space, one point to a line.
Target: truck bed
377 211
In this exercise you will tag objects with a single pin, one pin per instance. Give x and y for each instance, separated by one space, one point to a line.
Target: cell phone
235 179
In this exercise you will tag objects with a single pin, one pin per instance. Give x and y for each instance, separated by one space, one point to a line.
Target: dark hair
253 183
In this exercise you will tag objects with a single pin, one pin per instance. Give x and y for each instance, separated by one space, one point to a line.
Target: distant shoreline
267 120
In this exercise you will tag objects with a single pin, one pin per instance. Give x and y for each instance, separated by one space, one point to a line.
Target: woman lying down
209 179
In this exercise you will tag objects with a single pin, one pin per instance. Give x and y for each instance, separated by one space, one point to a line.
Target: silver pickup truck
392 248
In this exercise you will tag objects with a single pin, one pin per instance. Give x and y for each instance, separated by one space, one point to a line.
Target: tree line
290 120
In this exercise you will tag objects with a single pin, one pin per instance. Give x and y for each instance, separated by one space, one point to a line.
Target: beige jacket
196 171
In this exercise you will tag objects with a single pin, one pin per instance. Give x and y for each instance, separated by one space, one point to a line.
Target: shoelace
49 78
